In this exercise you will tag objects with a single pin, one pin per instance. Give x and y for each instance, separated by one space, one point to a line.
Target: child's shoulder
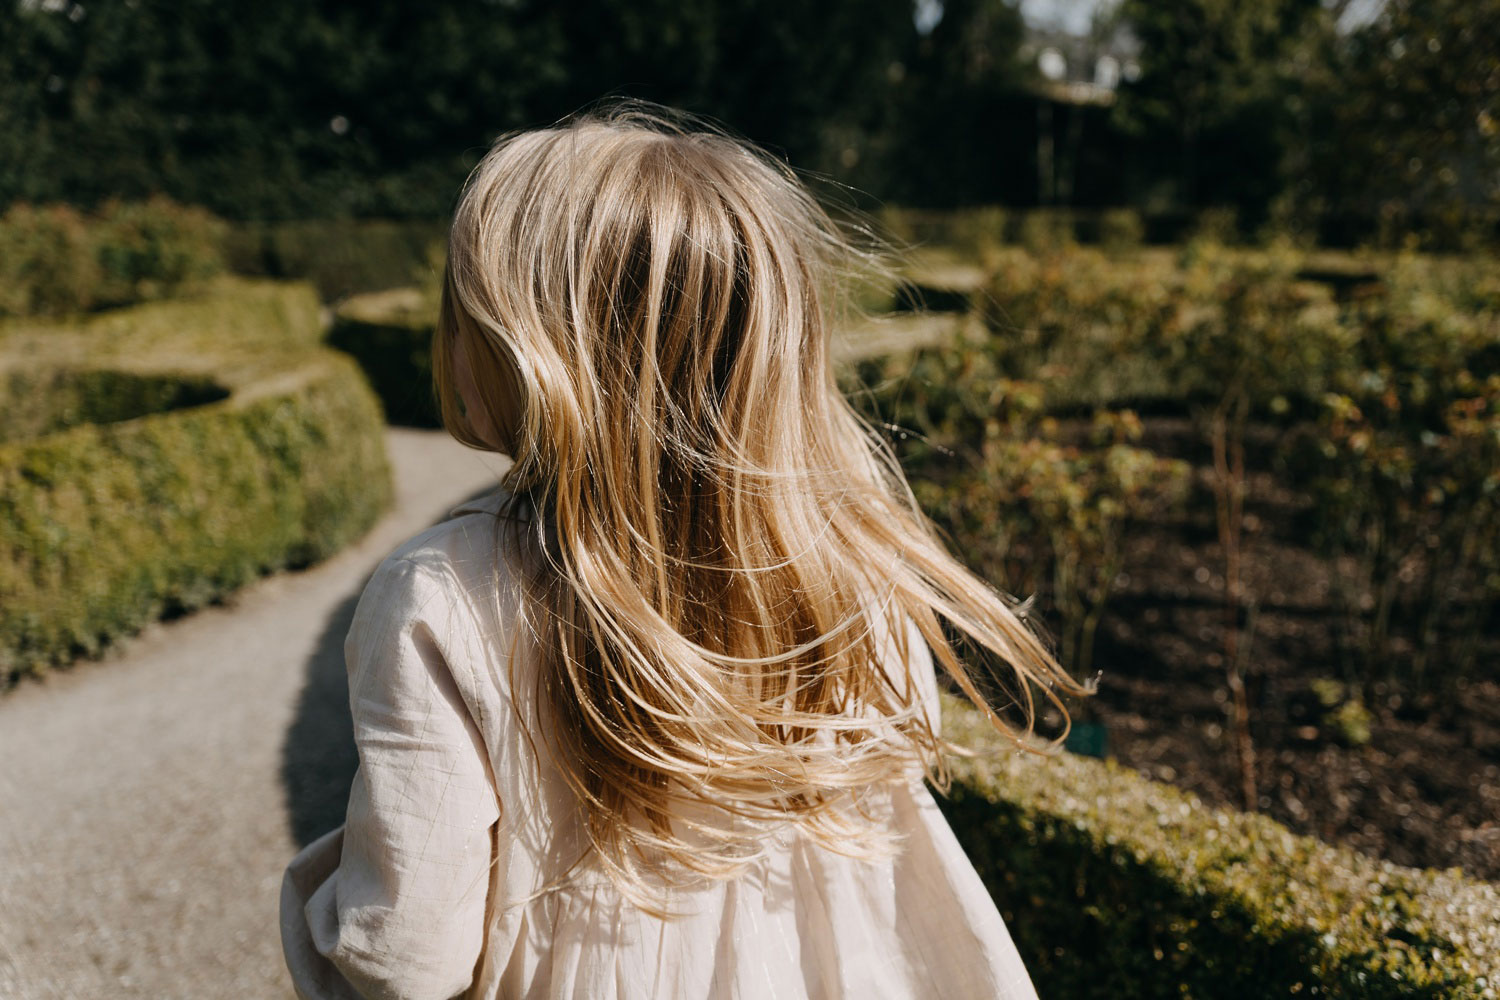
474 546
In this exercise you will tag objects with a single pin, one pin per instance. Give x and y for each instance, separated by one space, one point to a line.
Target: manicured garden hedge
105 526
55 259
1115 886
390 335
341 257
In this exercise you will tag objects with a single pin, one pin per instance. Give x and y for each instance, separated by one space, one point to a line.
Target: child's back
653 719
415 909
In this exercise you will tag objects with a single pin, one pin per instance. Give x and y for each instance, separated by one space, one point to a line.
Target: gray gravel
149 802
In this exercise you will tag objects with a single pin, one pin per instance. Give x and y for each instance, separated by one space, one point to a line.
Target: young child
653 719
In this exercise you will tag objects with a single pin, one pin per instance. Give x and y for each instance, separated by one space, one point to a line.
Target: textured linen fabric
454 872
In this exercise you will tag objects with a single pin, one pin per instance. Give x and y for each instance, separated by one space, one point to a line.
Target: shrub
1377 388
1218 224
48 261
1115 886
148 249
1121 229
969 230
41 401
1415 500
107 526
390 335
341 257
55 260
1045 229
979 229
1029 509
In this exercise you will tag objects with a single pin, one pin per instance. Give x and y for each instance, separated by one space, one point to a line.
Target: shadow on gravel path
319 757
319 760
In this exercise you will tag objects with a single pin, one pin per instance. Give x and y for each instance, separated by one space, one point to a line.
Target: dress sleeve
392 903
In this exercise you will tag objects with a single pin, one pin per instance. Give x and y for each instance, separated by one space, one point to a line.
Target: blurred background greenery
1341 119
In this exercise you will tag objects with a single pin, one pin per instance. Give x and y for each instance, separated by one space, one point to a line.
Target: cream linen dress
446 877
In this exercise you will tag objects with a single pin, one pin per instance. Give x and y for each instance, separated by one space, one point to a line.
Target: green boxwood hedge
341 257
55 259
38 402
1113 885
390 335
105 526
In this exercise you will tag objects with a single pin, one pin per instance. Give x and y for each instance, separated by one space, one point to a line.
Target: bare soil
1424 790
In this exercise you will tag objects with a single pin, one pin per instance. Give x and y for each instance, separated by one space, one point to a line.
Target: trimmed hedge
390 335
341 257
107 526
1113 885
38 402
55 259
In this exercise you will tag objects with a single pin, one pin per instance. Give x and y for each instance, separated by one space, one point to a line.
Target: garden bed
1422 789
1114 885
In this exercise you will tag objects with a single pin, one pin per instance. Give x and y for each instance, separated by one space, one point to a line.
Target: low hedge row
38 402
55 259
390 335
341 257
106 526
1113 885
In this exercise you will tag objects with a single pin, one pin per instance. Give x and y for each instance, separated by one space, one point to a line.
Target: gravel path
149 803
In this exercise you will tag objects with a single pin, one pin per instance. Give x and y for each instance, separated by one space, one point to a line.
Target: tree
965 124
1407 121
1216 94
274 108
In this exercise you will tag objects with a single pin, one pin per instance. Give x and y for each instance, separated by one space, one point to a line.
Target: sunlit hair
725 540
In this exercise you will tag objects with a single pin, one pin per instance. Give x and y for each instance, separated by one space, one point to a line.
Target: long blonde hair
725 539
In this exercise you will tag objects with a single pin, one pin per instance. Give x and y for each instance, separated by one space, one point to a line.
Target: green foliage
1029 509
1116 886
1267 105
1214 99
390 335
341 257
978 229
54 259
1407 124
1121 229
110 525
149 249
1047 229
1384 397
967 233
1218 224
1083 323
38 402
1403 465
48 261
279 110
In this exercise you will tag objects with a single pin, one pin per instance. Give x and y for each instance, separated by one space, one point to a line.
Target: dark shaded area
38 401
273 110
397 359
